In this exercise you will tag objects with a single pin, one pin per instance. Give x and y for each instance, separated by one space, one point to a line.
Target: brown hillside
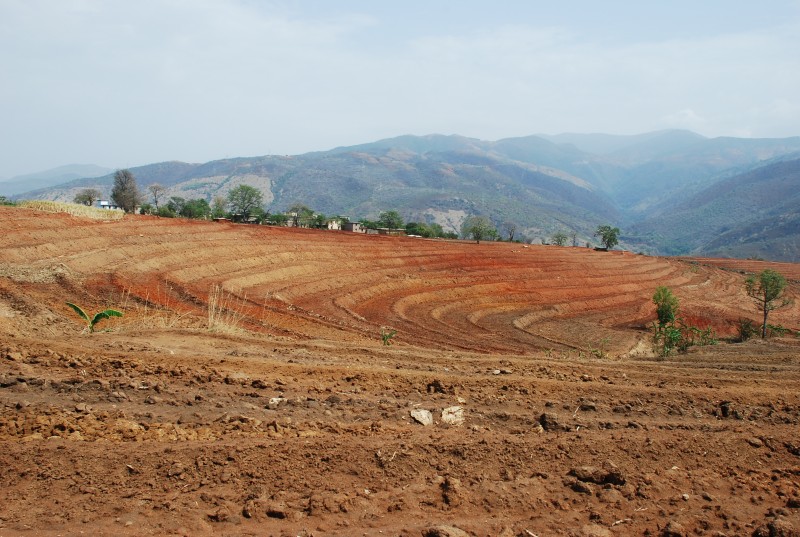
290 417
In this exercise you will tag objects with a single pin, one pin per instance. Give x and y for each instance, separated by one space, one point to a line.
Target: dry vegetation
247 389
73 209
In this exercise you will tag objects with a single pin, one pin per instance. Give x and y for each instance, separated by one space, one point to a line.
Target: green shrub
746 329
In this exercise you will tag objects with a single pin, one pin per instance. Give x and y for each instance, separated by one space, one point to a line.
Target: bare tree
125 193
157 191
511 229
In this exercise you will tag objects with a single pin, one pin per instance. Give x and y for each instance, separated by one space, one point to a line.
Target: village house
355 227
106 204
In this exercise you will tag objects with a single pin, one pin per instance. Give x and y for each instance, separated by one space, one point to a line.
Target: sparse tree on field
87 196
156 191
244 199
609 236
390 219
574 236
511 229
666 305
766 289
559 238
125 193
478 228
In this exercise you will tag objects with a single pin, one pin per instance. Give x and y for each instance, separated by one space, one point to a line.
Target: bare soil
247 389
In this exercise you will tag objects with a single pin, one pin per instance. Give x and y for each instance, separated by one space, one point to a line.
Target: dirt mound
247 389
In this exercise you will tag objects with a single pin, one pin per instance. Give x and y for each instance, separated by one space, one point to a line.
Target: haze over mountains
671 192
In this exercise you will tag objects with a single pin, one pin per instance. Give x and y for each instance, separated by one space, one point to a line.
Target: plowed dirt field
247 389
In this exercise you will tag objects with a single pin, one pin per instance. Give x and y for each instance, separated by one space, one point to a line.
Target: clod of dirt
673 529
593 530
549 421
779 527
579 486
444 531
422 416
436 386
452 491
609 475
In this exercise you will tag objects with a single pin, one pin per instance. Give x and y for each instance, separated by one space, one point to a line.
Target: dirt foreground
247 389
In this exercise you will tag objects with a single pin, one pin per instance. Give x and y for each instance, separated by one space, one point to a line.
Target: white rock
453 415
422 416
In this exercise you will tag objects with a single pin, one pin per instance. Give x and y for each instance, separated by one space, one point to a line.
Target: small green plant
387 335
746 329
672 333
92 321
666 305
776 330
600 351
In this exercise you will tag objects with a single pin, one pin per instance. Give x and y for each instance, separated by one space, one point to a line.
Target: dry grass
74 209
159 311
224 313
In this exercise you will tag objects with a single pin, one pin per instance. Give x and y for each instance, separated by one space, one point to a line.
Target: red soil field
247 389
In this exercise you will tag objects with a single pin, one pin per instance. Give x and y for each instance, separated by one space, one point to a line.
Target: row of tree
246 203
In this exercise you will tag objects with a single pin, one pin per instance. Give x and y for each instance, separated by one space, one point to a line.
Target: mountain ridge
536 184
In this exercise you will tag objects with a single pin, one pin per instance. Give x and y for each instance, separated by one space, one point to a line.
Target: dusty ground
289 417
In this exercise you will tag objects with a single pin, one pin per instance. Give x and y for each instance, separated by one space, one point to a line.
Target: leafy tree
559 238
243 199
87 196
176 205
196 208
156 191
416 228
666 305
436 230
766 289
218 207
608 235
390 219
278 219
165 212
125 193
301 215
478 228
319 220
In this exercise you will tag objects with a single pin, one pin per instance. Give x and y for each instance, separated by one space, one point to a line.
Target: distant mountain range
671 192
49 178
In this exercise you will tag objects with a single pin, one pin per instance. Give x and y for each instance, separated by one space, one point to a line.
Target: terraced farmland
247 391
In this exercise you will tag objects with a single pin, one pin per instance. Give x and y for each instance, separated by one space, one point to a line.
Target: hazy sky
122 83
